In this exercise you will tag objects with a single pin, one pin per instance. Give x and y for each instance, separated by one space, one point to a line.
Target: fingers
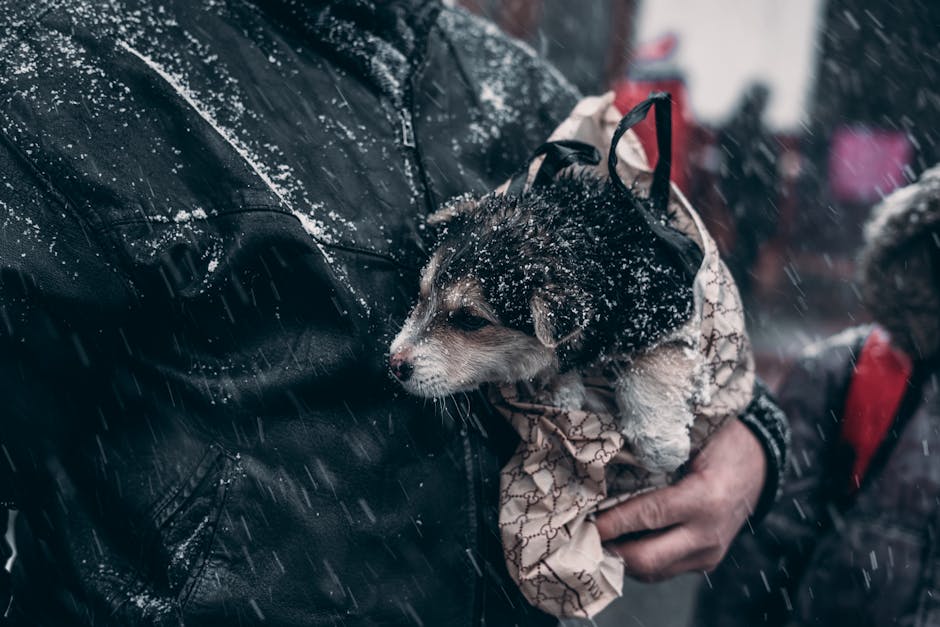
667 554
654 510
691 524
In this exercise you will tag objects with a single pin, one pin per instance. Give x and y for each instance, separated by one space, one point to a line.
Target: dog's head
484 312
454 340
524 286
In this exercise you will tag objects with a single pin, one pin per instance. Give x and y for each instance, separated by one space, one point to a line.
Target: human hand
689 526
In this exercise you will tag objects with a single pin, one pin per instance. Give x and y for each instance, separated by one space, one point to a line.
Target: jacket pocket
186 519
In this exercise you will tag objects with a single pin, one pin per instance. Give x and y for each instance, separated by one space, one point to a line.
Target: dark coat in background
824 556
210 229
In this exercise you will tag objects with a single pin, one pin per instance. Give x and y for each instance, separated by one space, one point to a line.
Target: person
749 182
211 228
853 539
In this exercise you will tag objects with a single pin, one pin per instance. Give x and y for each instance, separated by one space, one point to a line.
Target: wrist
767 422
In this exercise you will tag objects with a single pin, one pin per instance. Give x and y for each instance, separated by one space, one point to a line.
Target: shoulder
820 376
842 346
42 42
25 23
472 33
509 100
62 54
503 65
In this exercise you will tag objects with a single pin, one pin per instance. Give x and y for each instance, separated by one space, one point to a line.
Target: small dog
542 286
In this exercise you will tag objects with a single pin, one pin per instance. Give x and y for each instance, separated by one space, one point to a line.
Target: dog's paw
654 400
665 458
659 450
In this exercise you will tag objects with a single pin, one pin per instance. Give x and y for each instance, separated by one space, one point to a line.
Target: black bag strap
688 254
567 152
659 191
559 155
562 154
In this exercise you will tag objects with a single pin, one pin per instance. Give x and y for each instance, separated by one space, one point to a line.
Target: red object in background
866 164
878 386
629 93
659 49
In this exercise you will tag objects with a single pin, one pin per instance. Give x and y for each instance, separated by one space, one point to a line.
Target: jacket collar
381 40
900 266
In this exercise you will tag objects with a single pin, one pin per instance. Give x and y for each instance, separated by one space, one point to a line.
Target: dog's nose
401 367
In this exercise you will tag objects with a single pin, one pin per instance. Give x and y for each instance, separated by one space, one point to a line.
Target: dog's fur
543 285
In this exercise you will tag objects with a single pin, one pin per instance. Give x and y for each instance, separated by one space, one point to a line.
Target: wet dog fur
540 286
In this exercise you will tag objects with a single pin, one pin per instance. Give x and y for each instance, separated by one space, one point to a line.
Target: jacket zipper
407 129
408 134
471 466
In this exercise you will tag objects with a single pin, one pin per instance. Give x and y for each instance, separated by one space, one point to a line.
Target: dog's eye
468 321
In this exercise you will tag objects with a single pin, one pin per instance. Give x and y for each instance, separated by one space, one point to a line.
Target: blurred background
791 120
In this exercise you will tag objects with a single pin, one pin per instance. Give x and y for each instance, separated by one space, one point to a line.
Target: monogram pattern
573 463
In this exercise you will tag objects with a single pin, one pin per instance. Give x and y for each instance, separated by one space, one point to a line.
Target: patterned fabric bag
571 464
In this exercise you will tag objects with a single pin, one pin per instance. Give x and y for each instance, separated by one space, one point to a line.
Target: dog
545 285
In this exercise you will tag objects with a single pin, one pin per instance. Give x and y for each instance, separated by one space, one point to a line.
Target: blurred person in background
853 539
748 182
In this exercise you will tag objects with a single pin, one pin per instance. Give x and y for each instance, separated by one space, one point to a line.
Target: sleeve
769 424
757 581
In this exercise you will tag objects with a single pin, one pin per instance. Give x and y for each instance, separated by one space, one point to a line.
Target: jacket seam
458 61
175 493
245 208
197 576
50 192
265 208
411 108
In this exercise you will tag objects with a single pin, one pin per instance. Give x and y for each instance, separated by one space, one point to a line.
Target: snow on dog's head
525 286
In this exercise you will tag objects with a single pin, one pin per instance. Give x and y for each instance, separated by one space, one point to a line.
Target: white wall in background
725 45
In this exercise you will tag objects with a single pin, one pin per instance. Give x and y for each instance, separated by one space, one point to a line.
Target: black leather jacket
209 232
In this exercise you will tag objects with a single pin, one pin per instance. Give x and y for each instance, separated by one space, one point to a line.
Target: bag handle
687 252
662 102
559 154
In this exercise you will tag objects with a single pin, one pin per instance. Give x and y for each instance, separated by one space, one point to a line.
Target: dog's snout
401 366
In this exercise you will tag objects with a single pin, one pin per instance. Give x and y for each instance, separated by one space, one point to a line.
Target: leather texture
211 229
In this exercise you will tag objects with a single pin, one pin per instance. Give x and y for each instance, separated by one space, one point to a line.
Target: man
211 229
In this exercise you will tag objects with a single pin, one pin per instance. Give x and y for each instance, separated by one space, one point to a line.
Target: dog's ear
542 321
553 327
454 208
